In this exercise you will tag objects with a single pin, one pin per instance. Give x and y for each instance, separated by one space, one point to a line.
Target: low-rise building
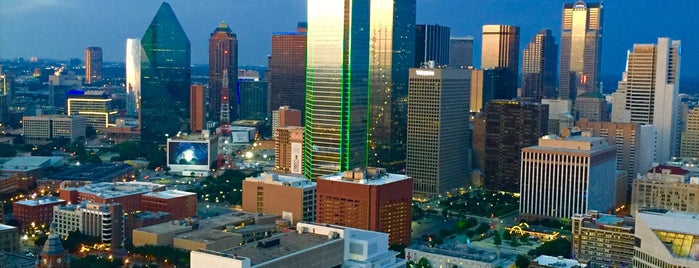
545 261
666 239
35 211
9 239
603 239
105 221
292 197
40 130
459 255
179 204
665 187
128 194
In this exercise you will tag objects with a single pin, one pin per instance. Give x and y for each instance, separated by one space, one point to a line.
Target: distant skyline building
581 49
500 49
93 65
285 116
165 77
649 92
461 52
133 77
223 63
253 99
287 69
539 67
484 84
391 48
438 157
591 106
197 108
97 106
431 44
689 144
337 87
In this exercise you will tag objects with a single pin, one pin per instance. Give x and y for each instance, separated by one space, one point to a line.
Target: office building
288 150
60 84
581 49
563 176
223 71
335 137
602 240
4 108
689 143
438 151
35 212
165 77
431 45
105 221
97 106
197 108
9 238
461 52
500 49
291 196
285 116
539 67
287 69
93 65
665 187
484 84
133 77
510 126
391 48
368 199
559 115
591 106
252 102
179 204
666 239
128 194
649 92
311 245
40 130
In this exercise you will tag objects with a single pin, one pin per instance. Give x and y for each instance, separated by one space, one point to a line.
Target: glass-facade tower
581 49
500 49
165 77
539 61
337 86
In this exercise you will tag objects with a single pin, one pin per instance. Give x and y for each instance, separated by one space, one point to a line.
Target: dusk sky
62 29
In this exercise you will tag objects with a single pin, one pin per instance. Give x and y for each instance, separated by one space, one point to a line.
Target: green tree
497 239
514 242
522 261
471 222
482 228
6 150
558 247
424 263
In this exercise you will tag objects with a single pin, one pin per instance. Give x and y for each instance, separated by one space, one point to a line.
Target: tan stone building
602 239
665 187
292 197
288 150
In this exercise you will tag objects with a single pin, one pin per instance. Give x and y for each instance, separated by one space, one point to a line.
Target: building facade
285 116
666 239
438 149
133 77
291 196
197 108
223 70
97 106
601 239
93 65
665 187
38 212
9 238
567 176
461 52
500 49
287 69
43 129
689 143
288 150
179 204
539 66
93 219
431 44
252 103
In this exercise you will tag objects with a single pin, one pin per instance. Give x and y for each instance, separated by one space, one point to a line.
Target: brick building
179 204
38 211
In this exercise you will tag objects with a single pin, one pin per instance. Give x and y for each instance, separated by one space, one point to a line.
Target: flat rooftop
296 181
95 172
207 236
379 180
6 227
220 222
118 189
470 253
671 221
169 194
40 202
557 262
289 243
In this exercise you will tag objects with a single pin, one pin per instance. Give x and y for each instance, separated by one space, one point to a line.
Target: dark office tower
287 69
500 49
510 127
253 99
165 77
93 65
581 49
431 44
337 87
223 62
392 34
461 52
438 145
484 86
539 61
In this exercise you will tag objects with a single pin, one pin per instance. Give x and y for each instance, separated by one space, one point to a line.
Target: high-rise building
288 150
581 49
368 199
337 87
287 69
539 62
649 92
689 144
285 117
223 65
292 197
431 45
591 106
438 148
500 49
133 77
666 239
484 84
165 77
566 176
97 106
461 52
602 239
392 45
93 65
665 187
559 115
197 108
105 221
510 126
252 102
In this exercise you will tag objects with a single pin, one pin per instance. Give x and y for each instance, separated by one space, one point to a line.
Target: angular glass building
165 77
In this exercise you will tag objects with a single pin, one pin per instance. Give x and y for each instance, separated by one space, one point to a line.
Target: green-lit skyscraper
165 77
337 86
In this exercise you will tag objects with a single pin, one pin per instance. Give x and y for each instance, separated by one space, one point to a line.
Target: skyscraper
93 65
581 49
133 77
539 61
337 87
484 84
223 63
689 144
438 142
510 127
252 103
165 77
649 92
500 49
392 35
197 108
431 44
461 52
287 69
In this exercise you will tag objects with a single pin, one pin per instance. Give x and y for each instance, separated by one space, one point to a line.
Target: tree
497 240
558 247
471 222
424 263
6 150
482 228
522 261
514 242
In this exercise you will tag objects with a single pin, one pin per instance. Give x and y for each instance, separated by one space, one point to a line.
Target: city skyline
23 23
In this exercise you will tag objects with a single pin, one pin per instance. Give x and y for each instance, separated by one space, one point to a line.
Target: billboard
296 160
183 155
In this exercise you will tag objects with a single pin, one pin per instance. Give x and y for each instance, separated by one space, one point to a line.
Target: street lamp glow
248 154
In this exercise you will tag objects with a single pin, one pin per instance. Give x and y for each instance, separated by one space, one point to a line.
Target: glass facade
165 77
431 44
253 99
287 70
581 49
133 76
337 86
539 61
500 49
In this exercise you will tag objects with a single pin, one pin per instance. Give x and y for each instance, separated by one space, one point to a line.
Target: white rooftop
168 194
41 201
118 189
296 181
6 227
557 262
382 179
672 221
